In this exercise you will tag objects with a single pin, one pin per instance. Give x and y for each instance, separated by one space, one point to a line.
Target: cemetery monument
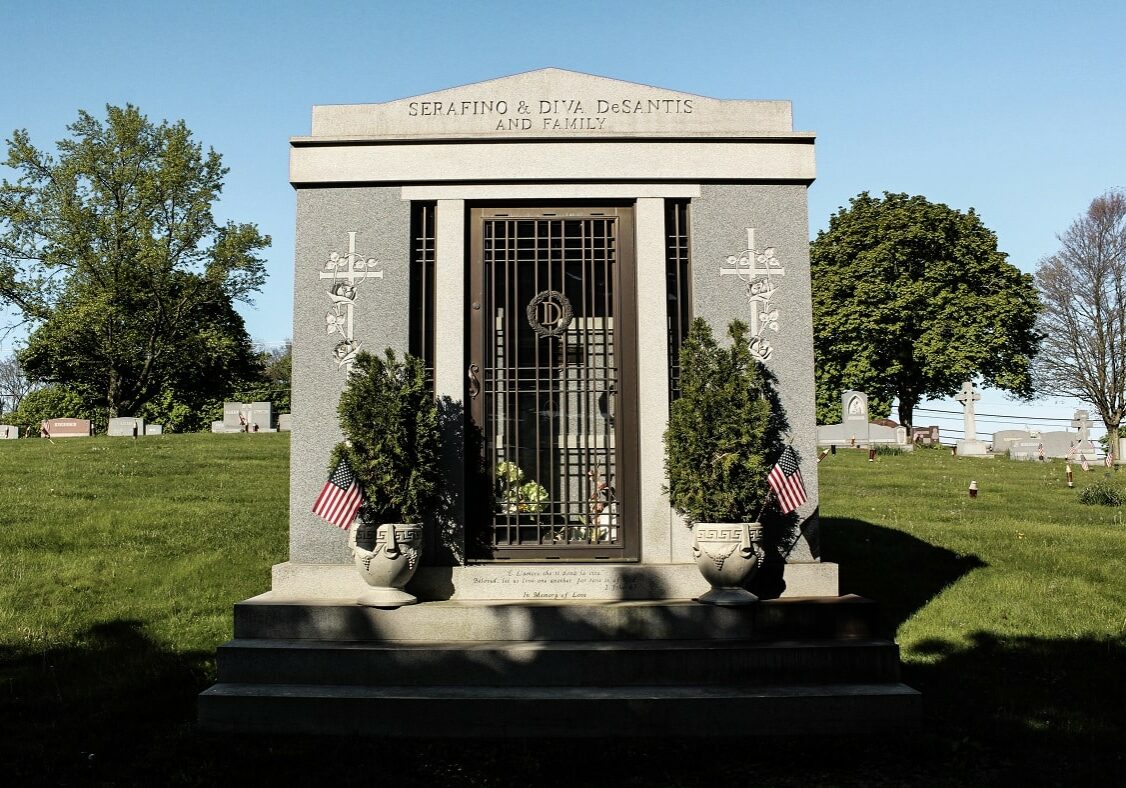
126 427
1049 445
66 428
856 430
970 446
246 417
541 242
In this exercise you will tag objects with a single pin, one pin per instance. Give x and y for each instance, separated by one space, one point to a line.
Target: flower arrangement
514 495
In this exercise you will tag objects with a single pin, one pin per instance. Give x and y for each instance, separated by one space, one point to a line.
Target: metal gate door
551 385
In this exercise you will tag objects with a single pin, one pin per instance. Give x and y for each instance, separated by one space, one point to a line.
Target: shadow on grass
1031 710
118 709
67 712
1001 710
893 568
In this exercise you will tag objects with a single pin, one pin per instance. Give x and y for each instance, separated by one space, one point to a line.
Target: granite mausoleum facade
542 242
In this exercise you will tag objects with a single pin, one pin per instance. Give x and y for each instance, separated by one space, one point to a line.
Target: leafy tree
910 299
111 252
273 380
14 384
1083 287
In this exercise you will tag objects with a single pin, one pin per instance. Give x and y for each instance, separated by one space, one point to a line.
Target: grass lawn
120 561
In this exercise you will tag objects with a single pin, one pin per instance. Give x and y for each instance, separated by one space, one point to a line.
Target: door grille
550 384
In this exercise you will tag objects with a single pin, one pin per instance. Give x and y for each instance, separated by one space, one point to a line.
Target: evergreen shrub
719 432
389 417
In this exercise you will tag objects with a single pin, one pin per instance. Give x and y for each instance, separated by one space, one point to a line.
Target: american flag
341 497
1083 462
786 482
1108 459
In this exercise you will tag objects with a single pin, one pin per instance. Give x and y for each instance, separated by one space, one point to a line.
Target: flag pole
765 502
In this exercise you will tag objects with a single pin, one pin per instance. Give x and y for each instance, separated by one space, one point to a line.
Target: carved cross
755 269
968 396
1082 422
346 271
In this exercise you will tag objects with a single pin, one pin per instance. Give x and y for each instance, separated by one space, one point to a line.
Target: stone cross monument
1082 422
970 446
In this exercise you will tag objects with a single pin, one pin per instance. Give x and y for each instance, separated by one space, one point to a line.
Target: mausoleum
542 241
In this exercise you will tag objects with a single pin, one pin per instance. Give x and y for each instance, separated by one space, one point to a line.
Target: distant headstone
261 417
126 427
235 416
925 435
66 428
970 446
1058 444
1003 440
154 429
285 422
243 417
9 432
856 430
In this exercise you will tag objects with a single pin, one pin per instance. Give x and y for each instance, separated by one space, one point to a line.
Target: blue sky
1016 109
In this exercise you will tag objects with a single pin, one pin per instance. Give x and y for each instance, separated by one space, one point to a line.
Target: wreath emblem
549 313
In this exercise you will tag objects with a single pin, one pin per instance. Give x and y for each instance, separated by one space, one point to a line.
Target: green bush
719 431
1102 493
388 414
176 416
53 402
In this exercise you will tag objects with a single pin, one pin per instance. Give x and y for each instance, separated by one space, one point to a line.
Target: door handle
474 381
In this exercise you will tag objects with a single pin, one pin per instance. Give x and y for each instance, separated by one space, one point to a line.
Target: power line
997 415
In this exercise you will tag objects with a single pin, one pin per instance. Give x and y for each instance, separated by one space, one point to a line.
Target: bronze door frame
625 546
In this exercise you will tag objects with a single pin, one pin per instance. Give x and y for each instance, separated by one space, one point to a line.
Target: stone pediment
553 102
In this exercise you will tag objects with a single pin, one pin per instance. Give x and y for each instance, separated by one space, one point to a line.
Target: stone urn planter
387 556
721 432
392 443
727 555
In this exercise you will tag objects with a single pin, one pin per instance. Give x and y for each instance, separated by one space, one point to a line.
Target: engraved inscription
550 114
559 584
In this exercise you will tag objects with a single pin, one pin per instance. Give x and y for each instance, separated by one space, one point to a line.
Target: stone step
557 663
469 712
272 617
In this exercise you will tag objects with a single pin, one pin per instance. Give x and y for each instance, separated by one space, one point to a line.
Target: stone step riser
620 665
595 713
781 619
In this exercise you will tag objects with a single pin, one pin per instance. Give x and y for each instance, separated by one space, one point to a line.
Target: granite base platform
551 668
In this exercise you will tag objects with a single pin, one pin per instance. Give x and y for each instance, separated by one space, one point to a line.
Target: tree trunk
1112 439
907 403
113 393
